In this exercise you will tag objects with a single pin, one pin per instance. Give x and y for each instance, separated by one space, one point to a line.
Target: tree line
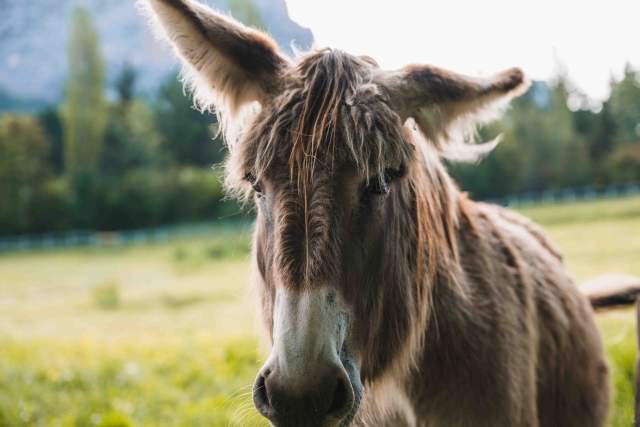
554 138
127 160
133 160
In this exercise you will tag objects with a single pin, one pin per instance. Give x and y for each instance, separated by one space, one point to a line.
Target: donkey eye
380 184
377 186
251 179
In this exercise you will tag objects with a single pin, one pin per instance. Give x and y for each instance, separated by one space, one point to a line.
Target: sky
591 40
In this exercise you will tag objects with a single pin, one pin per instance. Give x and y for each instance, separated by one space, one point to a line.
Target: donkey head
346 235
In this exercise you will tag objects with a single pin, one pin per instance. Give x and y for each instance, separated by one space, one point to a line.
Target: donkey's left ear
441 101
227 64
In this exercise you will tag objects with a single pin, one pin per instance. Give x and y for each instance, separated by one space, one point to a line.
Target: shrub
623 164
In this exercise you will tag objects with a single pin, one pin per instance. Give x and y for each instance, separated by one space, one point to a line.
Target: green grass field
167 335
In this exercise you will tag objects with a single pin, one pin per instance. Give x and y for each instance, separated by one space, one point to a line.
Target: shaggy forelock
330 113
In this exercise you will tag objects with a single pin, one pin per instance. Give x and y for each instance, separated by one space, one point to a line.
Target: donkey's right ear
227 64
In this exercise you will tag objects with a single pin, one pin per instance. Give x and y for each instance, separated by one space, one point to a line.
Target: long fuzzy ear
446 105
226 64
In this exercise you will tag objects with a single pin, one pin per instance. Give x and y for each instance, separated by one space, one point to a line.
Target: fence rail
567 195
79 238
88 238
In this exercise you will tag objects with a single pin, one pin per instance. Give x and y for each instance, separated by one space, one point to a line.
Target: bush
24 152
196 195
623 164
138 199
53 207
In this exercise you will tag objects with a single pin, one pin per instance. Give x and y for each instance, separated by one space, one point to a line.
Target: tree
131 140
623 164
85 107
185 133
570 155
126 84
51 124
541 147
625 106
24 166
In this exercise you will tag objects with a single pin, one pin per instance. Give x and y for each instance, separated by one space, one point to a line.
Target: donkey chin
311 378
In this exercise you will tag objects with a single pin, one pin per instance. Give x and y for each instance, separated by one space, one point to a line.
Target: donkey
389 297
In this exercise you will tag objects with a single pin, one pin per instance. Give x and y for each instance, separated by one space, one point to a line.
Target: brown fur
460 313
466 307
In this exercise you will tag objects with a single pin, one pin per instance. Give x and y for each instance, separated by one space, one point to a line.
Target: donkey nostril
341 398
260 396
326 396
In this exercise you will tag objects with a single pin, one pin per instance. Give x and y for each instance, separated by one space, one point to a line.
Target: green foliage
24 166
51 123
53 208
85 108
186 134
184 383
131 140
623 164
139 198
546 145
541 149
619 332
625 106
179 383
145 198
126 84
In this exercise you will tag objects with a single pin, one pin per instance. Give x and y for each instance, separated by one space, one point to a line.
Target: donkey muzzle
308 379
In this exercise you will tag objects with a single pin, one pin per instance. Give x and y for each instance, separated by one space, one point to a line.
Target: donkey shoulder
521 254
508 219
537 354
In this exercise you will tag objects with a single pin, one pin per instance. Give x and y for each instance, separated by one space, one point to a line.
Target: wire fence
89 238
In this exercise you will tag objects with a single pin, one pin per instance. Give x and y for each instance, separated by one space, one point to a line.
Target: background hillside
34 38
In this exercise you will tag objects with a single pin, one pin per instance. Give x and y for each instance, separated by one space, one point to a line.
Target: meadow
166 334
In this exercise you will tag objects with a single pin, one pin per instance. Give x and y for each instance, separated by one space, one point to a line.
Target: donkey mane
329 111
332 112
